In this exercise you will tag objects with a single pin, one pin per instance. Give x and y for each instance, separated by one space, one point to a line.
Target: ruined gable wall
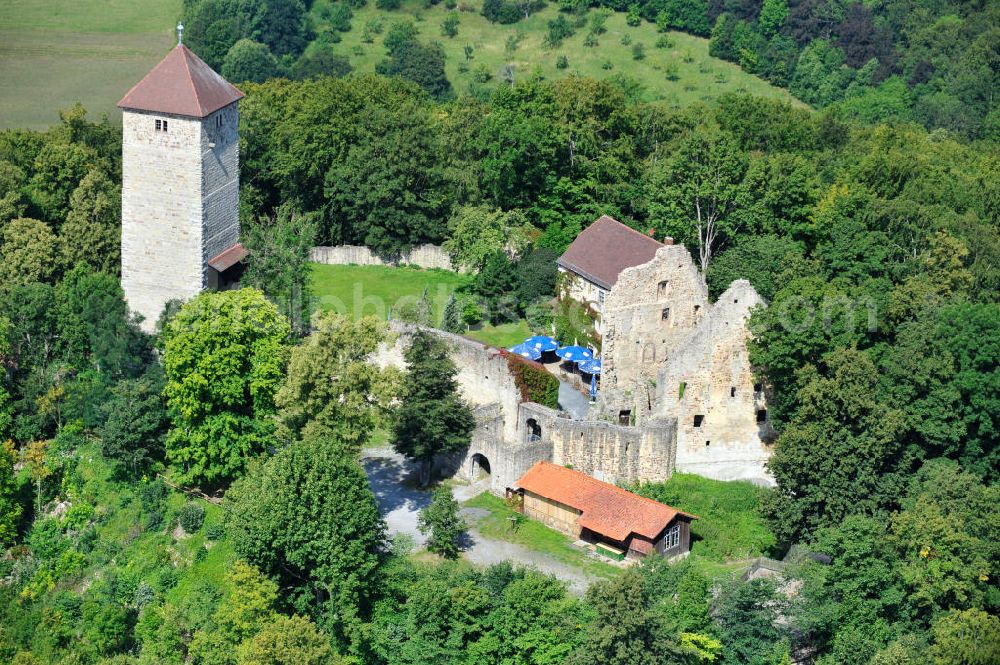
714 366
637 337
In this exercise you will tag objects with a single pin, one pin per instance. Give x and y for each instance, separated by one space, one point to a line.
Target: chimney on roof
667 240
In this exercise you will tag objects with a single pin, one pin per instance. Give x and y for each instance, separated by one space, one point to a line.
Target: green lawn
505 335
533 535
699 77
374 290
54 53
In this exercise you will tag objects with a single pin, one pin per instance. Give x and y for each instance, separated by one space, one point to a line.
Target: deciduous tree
224 355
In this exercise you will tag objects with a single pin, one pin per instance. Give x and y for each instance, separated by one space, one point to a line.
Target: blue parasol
529 352
575 353
591 366
541 343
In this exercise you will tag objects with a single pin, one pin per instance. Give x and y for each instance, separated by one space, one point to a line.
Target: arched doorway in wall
480 468
534 430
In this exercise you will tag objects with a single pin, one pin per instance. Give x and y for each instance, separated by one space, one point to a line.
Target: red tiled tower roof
182 84
605 248
606 509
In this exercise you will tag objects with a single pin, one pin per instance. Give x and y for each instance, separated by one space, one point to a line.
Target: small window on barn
732 391
762 415
661 288
672 538
698 420
665 314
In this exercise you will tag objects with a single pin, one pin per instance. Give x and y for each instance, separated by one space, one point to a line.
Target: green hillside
680 73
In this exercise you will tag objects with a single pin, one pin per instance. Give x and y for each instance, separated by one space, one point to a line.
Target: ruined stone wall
424 256
483 376
649 311
721 416
609 452
162 240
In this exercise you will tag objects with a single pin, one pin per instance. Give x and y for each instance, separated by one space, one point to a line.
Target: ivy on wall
535 383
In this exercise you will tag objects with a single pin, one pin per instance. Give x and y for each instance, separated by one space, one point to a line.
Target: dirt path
393 480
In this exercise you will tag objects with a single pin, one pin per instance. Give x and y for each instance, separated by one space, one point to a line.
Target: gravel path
394 482
572 401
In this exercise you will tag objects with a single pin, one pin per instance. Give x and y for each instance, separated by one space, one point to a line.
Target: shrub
590 41
638 51
663 41
535 382
340 17
562 62
154 521
634 17
449 27
215 531
559 29
388 5
607 64
191 516
626 39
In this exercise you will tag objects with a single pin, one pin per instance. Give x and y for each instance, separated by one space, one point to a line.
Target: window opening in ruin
762 415
680 389
735 300
534 430
661 288
708 443
756 387
673 537
732 391
696 308
625 416
698 420
665 314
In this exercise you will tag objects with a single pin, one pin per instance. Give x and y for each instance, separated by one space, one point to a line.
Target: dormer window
161 125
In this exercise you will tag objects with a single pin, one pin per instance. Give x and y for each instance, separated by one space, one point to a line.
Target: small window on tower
698 420
665 314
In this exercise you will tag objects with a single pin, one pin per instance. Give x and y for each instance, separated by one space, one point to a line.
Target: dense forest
195 495
934 63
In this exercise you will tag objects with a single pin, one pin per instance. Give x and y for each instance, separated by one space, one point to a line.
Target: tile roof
228 257
182 84
605 248
606 509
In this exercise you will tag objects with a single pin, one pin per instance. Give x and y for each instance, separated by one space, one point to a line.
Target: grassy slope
699 76
54 53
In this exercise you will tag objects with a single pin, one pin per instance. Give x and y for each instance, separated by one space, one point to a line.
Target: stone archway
479 468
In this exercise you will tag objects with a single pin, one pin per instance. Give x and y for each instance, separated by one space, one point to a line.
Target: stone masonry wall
220 183
722 424
162 244
650 309
424 256
609 452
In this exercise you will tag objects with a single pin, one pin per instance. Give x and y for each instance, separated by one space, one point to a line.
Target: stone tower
180 184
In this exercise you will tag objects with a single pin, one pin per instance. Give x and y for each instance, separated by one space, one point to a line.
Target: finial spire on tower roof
180 33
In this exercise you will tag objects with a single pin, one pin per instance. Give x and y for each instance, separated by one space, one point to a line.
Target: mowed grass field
54 53
375 290
699 77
